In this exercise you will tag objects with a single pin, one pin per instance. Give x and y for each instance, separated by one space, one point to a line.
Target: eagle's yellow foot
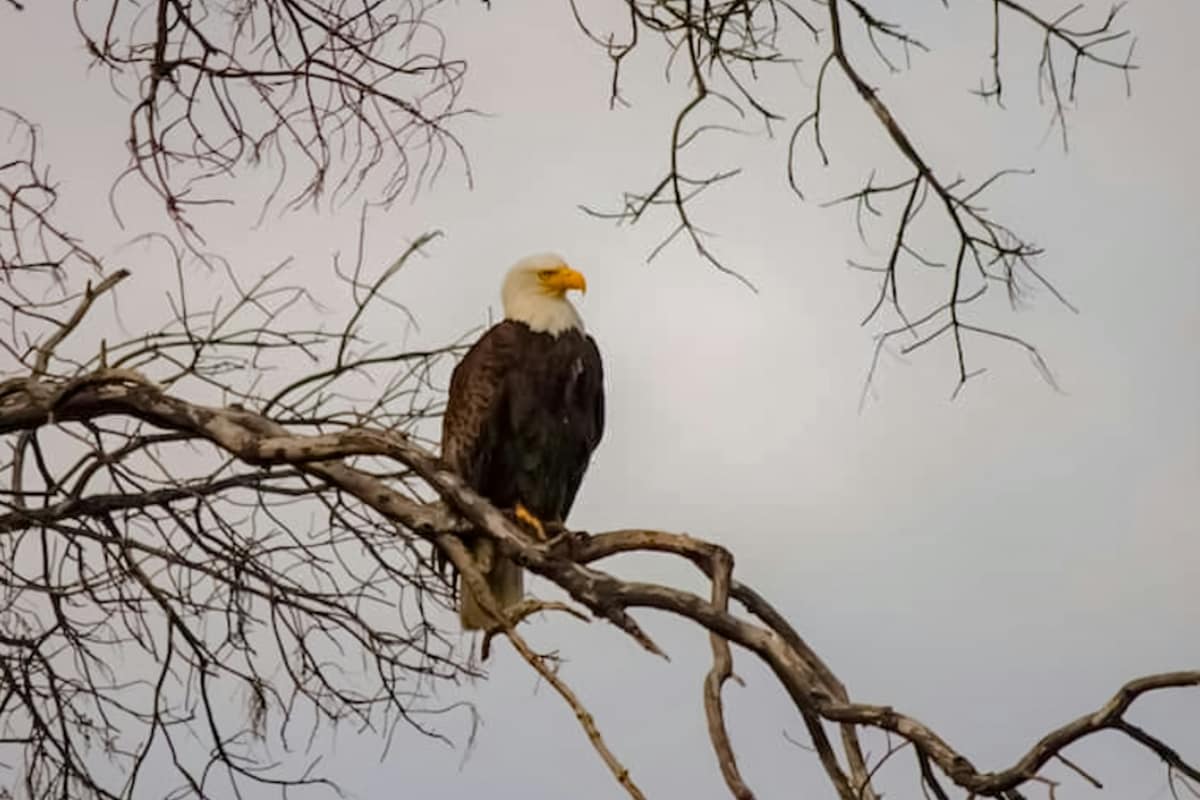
530 521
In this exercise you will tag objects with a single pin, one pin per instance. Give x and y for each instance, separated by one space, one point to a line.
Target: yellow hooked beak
559 281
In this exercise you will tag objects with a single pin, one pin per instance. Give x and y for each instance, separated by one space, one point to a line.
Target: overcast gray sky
995 565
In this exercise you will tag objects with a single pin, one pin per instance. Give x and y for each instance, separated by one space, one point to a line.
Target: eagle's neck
543 314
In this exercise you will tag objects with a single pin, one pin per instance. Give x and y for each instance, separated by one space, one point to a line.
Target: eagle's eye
545 274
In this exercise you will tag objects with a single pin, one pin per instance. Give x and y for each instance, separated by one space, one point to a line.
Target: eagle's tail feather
505 578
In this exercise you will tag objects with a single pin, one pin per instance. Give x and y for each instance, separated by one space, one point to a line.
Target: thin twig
46 351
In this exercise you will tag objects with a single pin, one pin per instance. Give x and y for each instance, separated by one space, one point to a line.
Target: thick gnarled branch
29 404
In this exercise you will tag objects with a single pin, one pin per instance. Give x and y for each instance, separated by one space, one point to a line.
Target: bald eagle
525 412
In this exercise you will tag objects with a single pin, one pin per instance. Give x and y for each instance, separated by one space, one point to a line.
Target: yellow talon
535 524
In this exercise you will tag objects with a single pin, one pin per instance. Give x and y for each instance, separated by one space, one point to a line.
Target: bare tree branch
729 49
347 93
256 440
722 670
463 562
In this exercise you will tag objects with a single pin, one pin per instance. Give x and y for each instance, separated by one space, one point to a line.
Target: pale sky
994 565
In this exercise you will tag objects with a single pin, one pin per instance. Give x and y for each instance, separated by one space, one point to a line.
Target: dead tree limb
31 404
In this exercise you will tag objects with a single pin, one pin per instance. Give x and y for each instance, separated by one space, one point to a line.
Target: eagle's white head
535 292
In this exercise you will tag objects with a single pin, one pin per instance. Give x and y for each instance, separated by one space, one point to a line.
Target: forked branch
31 404
733 52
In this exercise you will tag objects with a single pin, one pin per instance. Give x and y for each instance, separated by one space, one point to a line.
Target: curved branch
816 693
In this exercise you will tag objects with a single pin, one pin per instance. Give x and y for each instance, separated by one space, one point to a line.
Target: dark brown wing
587 397
594 369
477 386
474 410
